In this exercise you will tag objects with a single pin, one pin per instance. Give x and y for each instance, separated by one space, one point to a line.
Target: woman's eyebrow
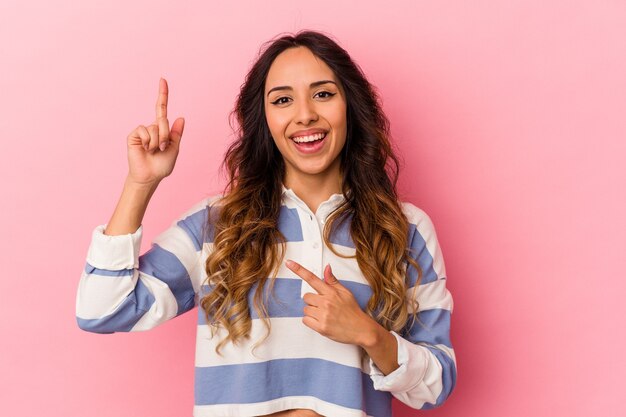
314 84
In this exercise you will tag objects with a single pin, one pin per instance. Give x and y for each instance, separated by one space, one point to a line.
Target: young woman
307 272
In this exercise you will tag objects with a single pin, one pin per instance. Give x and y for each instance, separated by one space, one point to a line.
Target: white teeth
309 138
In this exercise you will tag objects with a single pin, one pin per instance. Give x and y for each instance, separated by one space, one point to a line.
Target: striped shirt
295 367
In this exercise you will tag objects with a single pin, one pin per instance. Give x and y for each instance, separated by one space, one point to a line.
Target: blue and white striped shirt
295 367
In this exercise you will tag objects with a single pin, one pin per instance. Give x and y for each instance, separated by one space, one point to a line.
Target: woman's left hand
334 312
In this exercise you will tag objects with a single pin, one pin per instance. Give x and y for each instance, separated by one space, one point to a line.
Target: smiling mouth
310 138
311 143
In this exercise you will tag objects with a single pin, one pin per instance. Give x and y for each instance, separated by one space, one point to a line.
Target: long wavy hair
248 248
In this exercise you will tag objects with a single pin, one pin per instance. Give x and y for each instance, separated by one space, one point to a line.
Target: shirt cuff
114 253
413 361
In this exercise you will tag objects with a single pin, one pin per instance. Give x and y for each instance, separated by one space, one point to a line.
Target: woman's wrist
130 208
381 346
147 188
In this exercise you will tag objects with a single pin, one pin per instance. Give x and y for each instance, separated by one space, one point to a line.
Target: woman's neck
313 189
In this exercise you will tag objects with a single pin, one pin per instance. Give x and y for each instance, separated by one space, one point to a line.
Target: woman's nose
305 112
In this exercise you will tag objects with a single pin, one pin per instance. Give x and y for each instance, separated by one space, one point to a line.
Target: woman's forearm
382 347
130 208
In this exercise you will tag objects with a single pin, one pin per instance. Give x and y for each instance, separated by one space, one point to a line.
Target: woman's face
305 109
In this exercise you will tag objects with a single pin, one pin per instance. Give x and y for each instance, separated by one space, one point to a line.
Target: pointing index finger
312 279
161 104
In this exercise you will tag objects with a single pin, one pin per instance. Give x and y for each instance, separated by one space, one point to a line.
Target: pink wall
510 116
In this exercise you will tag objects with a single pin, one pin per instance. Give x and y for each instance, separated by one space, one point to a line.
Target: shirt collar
333 201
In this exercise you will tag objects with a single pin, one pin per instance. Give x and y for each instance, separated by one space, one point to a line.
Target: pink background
511 120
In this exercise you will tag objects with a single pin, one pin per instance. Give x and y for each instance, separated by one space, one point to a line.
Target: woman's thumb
176 133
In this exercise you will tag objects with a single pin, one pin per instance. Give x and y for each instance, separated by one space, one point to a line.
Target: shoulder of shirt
202 205
416 215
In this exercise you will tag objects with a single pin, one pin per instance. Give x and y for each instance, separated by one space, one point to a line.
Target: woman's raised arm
120 290
152 153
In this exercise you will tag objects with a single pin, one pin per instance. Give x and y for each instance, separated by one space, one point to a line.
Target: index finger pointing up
161 104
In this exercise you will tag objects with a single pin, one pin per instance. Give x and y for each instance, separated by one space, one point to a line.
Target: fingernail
145 146
162 146
289 263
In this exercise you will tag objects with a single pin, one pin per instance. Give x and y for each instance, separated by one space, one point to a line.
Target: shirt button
316 245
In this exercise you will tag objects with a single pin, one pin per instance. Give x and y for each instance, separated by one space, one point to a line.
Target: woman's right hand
152 150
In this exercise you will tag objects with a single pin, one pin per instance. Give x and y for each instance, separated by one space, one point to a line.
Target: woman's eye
285 100
326 94
279 100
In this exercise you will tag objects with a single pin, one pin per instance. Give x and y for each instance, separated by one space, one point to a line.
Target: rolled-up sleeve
121 291
427 373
